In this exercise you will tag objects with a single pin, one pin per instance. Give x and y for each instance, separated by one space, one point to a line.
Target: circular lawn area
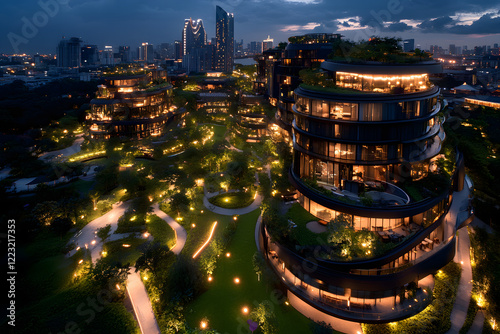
235 200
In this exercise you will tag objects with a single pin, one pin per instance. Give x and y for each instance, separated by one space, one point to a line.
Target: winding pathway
65 152
135 287
180 232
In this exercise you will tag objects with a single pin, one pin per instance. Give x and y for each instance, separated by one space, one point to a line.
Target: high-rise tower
69 52
193 35
225 40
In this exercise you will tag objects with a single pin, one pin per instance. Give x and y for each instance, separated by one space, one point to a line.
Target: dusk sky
129 22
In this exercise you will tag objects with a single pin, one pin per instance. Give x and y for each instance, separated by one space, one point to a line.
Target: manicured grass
48 270
234 200
54 313
161 231
124 255
131 223
48 298
196 236
222 304
219 132
301 217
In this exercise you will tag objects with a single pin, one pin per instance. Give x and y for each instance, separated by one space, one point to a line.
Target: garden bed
235 200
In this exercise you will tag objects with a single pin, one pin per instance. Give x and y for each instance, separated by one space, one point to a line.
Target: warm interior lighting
206 242
126 245
384 78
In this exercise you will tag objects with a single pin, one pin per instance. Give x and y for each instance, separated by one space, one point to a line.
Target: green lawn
117 253
234 200
222 304
50 298
301 217
161 231
197 235
219 132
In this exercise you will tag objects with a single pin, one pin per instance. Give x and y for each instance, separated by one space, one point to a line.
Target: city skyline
37 27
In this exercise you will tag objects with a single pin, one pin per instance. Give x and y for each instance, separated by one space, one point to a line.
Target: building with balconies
367 151
131 104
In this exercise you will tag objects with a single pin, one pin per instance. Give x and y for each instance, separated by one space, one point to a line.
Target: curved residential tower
367 153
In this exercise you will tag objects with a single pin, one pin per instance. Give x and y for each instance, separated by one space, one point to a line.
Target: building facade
267 43
69 52
89 55
132 106
224 30
366 152
193 35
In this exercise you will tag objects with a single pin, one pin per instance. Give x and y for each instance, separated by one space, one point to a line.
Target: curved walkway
180 232
462 256
87 235
135 287
65 152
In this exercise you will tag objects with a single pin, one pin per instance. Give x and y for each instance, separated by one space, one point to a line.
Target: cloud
129 22
485 25
439 24
308 26
398 27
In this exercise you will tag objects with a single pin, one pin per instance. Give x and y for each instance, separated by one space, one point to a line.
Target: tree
94 196
263 314
208 260
153 257
107 274
61 225
258 263
107 179
103 233
179 203
46 212
184 280
341 230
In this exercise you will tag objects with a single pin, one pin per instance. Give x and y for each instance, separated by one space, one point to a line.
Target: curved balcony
311 280
340 95
344 204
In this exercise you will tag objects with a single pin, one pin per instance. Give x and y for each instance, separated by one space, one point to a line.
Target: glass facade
366 112
125 108
393 84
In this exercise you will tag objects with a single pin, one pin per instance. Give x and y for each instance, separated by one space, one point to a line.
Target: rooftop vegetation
124 70
380 49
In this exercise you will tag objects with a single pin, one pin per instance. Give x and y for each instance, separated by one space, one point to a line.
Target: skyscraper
69 52
193 35
124 52
224 29
267 43
409 45
146 53
89 55
452 49
107 56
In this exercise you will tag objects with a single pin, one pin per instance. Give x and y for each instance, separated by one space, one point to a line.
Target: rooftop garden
338 239
379 49
124 70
